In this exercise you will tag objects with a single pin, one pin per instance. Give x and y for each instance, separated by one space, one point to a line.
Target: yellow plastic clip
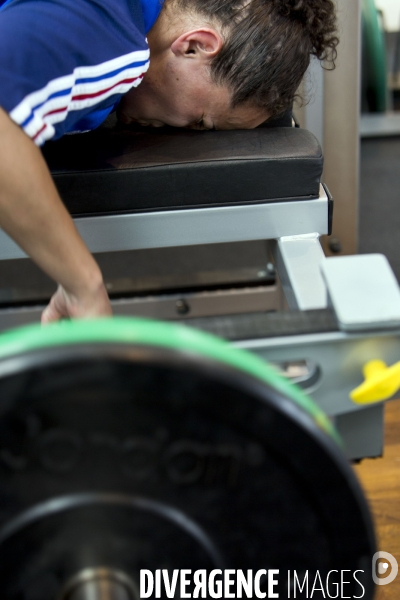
381 382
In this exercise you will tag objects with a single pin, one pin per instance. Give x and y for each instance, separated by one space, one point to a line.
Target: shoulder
101 26
59 57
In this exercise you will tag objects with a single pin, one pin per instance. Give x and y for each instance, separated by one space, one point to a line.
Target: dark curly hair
268 45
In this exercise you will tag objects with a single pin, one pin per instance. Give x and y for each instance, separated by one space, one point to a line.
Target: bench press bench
133 189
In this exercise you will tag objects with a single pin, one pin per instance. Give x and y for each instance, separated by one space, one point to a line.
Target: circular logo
384 568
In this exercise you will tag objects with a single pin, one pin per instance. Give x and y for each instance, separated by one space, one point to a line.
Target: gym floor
380 478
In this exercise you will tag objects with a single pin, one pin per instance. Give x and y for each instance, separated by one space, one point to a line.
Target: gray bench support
191 227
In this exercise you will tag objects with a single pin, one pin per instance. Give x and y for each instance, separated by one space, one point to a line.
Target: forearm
32 213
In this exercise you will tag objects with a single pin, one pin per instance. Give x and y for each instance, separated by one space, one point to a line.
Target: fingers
49 315
63 305
54 311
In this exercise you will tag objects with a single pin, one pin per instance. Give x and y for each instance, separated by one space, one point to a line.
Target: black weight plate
135 456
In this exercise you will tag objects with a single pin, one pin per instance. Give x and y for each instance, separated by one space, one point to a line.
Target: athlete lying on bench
64 66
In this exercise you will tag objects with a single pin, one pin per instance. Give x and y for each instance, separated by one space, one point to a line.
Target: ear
201 43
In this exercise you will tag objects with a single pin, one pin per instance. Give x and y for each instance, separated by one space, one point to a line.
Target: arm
32 213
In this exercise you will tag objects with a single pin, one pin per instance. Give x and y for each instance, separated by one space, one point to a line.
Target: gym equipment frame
130 189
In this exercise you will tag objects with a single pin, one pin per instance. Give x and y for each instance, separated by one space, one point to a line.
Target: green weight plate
165 335
130 444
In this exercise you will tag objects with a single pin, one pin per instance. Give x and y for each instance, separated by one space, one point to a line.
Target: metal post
341 128
332 113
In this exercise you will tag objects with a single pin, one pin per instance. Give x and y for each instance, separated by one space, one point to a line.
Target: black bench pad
124 170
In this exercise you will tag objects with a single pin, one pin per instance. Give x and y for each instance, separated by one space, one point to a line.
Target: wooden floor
380 479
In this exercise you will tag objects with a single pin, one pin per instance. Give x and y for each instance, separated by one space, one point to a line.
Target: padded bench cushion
126 170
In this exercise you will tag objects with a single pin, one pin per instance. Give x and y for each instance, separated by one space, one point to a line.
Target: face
185 97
